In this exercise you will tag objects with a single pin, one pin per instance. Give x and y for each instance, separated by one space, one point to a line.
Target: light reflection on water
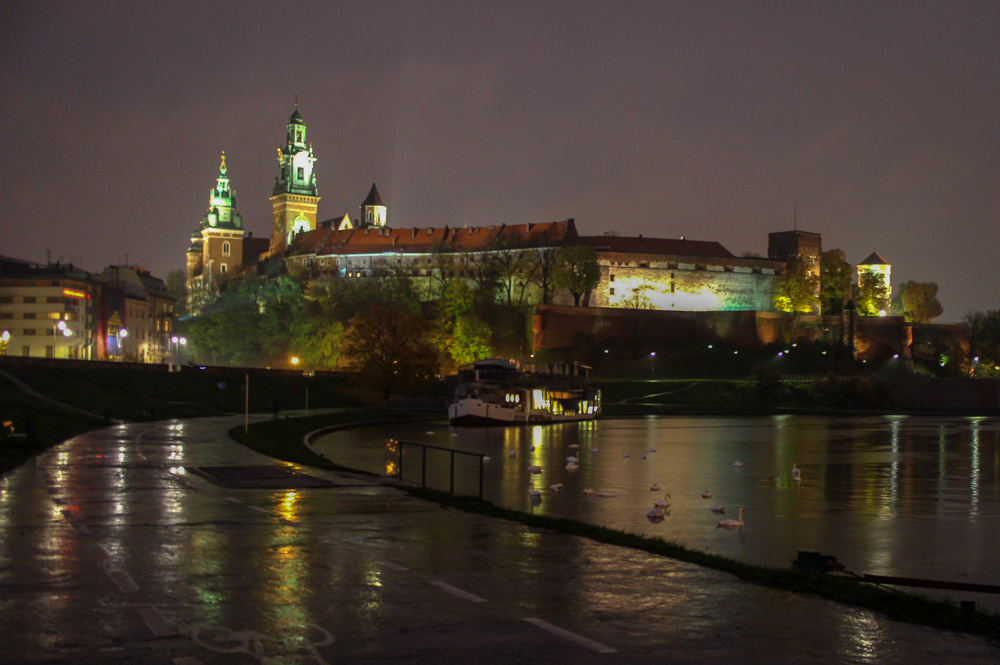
892 495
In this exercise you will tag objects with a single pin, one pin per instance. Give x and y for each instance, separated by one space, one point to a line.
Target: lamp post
178 342
4 338
122 334
652 363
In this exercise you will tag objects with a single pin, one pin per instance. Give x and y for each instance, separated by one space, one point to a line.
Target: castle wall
683 286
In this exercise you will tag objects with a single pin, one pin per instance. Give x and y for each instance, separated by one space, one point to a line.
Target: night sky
872 123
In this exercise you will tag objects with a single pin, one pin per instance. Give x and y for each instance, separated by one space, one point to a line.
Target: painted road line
572 637
155 621
389 564
458 593
124 581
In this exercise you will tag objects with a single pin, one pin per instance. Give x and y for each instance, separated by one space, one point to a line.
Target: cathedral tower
294 198
217 247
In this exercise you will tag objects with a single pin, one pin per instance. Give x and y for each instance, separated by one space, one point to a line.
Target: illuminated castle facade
653 273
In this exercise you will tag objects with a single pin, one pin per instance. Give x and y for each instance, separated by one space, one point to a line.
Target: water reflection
909 496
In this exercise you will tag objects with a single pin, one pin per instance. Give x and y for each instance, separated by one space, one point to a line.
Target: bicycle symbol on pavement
256 645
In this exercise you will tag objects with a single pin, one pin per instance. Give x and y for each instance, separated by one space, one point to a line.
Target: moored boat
503 391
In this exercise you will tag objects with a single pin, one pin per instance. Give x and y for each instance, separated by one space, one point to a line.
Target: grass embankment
283 439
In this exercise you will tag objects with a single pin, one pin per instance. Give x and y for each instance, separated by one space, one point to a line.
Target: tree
177 287
917 301
873 296
794 292
576 270
637 306
515 269
835 275
386 344
984 334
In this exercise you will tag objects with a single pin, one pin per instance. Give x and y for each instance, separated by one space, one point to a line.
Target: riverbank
287 440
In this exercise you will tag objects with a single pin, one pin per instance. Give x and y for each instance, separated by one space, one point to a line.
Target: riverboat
503 391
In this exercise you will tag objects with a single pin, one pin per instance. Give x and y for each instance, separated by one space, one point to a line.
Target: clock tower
294 199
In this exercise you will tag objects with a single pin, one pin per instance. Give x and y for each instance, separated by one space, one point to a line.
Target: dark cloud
871 123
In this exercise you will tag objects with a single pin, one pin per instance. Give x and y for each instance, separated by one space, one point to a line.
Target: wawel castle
674 274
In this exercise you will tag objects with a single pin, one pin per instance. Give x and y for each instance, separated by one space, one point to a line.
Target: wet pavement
168 543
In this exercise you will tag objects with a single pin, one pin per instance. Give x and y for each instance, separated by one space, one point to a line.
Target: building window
50 351
26 351
302 173
29 298
223 268
6 299
53 299
612 290
29 315
6 315
225 249
29 332
612 278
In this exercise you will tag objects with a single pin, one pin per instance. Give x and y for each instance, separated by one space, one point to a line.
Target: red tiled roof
875 259
668 246
415 240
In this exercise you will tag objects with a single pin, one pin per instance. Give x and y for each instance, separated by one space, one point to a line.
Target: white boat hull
472 411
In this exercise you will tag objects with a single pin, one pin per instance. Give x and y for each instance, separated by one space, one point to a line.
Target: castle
665 274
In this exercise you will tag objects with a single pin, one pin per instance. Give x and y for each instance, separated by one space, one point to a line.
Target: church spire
222 212
295 160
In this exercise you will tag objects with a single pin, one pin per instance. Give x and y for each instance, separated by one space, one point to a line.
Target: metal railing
451 466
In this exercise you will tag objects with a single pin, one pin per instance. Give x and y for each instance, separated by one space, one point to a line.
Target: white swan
737 463
534 468
512 454
655 513
570 458
736 522
558 487
654 488
706 495
605 494
718 508
573 446
533 493
588 490
663 503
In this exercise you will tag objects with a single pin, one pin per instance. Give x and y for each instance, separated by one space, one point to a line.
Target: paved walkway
158 543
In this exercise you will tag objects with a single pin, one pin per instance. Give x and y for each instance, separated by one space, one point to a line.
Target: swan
534 468
625 456
512 454
737 463
706 495
605 494
655 513
574 446
654 488
572 459
650 450
718 508
558 487
572 466
533 493
663 503
593 450
588 490
736 522
796 473
644 456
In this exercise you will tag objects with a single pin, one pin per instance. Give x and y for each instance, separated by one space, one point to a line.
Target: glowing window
225 249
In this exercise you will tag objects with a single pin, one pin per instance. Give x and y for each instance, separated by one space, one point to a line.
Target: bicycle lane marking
569 635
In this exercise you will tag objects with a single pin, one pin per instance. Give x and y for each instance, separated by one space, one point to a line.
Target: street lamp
122 334
178 342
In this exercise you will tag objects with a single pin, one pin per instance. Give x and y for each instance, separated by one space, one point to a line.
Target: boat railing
451 465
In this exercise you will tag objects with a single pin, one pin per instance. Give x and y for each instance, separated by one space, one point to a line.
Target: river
908 496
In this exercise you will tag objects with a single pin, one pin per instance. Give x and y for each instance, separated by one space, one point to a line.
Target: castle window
612 290
225 249
612 278
223 268
302 173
